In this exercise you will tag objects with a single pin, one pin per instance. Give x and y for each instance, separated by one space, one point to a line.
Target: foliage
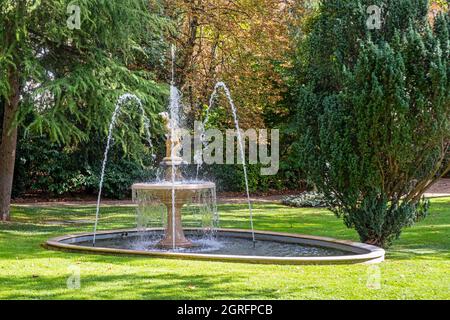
373 113
306 199
231 178
47 169
238 42
70 79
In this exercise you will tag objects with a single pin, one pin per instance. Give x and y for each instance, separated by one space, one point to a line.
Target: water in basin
221 245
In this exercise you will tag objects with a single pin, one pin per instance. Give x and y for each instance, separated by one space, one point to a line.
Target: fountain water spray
240 143
174 107
120 102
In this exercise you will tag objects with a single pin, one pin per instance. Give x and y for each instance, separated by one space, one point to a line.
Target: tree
239 42
373 112
68 77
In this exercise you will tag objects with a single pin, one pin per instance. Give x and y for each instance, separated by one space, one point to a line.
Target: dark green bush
49 169
231 178
373 112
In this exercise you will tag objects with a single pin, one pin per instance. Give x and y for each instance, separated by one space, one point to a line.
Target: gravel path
439 189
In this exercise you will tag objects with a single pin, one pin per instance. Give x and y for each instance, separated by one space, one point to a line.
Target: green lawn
417 266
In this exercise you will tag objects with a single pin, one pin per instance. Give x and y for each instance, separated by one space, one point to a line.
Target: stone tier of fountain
184 192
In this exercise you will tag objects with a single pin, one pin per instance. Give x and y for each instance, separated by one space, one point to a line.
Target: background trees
247 45
63 83
58 87
242 43
373 112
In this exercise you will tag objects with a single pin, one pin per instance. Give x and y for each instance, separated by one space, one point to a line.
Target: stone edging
362 253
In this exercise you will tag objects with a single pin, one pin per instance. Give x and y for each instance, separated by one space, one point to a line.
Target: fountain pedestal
174 234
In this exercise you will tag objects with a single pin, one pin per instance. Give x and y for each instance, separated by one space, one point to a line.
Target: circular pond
228 245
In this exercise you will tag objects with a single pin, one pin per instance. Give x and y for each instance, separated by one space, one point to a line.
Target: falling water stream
174 108
240 143
123 99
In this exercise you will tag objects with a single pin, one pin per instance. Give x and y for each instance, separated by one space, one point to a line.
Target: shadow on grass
163 286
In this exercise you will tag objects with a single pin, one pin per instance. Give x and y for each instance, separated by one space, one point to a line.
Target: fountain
177 218
165 201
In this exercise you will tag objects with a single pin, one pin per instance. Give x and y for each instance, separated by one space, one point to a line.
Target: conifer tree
373 111
66 62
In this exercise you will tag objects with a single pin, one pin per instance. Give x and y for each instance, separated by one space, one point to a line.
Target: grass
417 266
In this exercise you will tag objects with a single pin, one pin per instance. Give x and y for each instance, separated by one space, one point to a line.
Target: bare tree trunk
8 147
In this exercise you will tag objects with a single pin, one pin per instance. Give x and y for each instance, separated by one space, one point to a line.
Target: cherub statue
173 137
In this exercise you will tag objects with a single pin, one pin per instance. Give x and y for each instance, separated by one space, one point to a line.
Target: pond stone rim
361 253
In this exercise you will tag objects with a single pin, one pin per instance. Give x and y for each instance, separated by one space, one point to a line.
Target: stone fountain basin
356 253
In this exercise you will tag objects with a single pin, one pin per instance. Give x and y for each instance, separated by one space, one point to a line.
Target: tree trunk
376 242
8 147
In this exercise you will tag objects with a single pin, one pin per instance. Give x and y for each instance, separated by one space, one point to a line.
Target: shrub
231 178
374 112
49 169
